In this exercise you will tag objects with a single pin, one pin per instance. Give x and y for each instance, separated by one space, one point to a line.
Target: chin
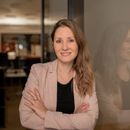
66 60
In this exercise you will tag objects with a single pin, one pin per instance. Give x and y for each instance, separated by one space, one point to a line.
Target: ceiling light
18 21
23 21
48 21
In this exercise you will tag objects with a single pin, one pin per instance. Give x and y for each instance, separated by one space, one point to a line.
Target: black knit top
65 97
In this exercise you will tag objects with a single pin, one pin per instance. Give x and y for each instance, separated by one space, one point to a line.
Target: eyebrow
67 37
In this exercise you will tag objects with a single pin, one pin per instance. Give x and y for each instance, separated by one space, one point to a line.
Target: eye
71 40
58 41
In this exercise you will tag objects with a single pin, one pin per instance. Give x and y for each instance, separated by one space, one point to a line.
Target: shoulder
48 66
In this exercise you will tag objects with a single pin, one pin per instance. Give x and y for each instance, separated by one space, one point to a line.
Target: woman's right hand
34 101
82 108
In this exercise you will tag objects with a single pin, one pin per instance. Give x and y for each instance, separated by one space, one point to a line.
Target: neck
64 72
65 67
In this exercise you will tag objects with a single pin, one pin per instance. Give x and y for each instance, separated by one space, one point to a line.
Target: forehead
63 31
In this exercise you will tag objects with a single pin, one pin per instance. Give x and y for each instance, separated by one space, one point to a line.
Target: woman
61 94
113 78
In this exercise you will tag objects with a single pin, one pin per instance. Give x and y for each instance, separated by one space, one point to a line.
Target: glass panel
53 13
107 26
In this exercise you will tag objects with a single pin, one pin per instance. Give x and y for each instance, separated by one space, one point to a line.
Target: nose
64 46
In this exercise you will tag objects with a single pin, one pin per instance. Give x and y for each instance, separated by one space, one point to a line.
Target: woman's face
65 45
125 48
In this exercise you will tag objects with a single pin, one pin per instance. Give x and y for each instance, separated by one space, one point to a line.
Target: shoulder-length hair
81 65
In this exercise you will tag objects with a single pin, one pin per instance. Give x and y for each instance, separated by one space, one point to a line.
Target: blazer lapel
51 86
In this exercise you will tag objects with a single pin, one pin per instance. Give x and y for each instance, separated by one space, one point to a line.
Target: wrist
44 113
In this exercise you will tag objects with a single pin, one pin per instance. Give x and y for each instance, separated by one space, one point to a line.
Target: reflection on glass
52 14
112 65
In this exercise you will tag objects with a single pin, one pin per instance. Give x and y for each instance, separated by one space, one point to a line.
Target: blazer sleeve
27 117
76 121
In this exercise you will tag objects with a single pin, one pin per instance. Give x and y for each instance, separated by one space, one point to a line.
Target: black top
65 98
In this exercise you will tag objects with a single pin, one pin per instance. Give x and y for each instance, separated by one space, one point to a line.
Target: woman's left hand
33 101
82 108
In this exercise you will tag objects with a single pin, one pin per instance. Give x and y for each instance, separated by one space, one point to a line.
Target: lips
65 53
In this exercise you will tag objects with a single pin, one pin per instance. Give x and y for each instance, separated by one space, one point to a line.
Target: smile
65 53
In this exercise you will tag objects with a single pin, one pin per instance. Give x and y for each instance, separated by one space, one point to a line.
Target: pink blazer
44 78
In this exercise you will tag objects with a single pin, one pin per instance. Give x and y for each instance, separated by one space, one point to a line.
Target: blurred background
25 28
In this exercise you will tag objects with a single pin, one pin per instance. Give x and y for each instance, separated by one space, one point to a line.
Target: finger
29 105
85 106
37 94
82 105
29 94
33 94
31 101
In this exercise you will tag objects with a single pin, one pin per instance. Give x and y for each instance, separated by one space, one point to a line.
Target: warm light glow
18 21
23 21
11 55
49 21
20 46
